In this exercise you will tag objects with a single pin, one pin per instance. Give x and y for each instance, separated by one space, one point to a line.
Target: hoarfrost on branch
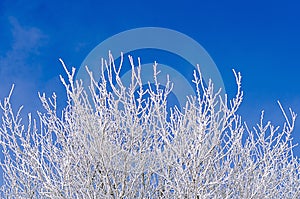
113 142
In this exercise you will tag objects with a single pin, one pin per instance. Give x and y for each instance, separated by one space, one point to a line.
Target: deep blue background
258 38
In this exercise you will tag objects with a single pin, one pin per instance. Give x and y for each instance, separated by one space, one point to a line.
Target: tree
114 141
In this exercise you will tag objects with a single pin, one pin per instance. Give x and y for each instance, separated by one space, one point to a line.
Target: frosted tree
117 141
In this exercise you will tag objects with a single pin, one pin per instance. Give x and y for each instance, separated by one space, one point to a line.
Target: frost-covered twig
113 141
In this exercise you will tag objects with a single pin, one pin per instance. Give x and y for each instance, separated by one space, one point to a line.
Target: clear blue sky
258 38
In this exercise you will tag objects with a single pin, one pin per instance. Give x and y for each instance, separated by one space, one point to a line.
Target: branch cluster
113 141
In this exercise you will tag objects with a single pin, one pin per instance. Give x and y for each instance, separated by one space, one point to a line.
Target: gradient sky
258 38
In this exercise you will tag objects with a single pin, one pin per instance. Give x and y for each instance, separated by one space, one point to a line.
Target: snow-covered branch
113 141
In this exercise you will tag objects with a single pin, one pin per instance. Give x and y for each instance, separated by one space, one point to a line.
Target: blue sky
258 38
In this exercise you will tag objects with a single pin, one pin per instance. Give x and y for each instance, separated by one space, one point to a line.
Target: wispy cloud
26 42
17 65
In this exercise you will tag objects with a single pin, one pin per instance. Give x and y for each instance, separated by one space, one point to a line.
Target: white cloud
26 43
18 66
25 38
